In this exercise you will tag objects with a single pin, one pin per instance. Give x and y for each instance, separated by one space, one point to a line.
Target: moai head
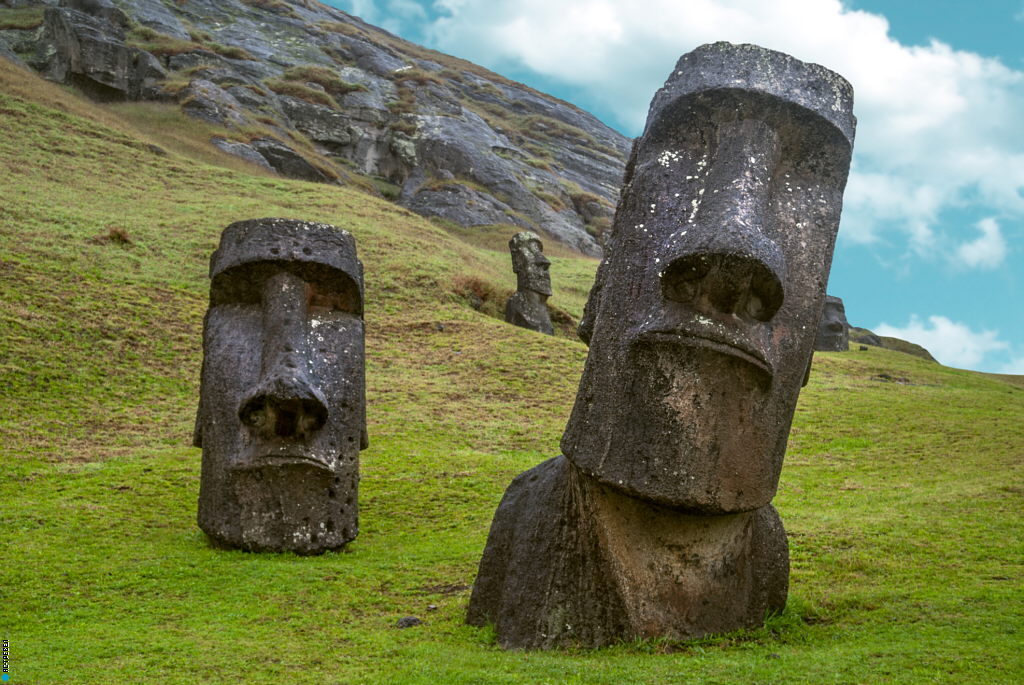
529 263
702 319
282 409
833 331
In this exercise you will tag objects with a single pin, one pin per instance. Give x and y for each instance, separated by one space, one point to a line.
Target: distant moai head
529 263
833 331
282 404
702 318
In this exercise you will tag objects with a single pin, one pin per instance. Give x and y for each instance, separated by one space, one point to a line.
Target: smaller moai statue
527 308
833 331
282 408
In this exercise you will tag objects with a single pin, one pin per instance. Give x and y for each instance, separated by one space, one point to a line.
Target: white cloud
391 15
986 252
1014 366
364 9
939 128
950 342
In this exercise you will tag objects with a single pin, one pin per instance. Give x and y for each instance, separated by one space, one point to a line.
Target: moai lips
657 521
281 414
527 308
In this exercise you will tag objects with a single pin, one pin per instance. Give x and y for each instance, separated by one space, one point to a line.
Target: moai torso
657 521
281 415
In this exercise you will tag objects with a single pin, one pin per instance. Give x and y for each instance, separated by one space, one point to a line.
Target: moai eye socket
337 296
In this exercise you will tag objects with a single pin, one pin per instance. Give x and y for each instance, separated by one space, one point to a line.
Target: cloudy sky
930 243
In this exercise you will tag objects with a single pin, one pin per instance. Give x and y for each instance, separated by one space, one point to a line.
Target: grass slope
902 490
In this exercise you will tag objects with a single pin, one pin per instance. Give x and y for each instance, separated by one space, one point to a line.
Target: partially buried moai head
702 319
281 414
833 331
529 263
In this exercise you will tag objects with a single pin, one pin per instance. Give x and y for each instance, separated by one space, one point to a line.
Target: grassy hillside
902 491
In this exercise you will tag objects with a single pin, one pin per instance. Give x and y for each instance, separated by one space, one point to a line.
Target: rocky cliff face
317 94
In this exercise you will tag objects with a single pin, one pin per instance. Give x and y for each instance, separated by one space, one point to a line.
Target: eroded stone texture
90 52
528 307
657 520
833 331
282 412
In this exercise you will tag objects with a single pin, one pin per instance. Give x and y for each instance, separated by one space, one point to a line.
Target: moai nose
284 408
285 404
721 261
728 283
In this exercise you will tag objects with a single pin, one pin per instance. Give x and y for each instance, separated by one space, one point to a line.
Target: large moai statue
528 307
657 518
833 330
282 409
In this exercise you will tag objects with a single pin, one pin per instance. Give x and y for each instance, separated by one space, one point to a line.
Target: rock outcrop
863 336
454 141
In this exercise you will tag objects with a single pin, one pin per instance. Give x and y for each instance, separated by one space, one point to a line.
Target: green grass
903 500
301 91
21 18
324 77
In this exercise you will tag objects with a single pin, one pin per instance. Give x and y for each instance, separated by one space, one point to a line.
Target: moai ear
807 373
197 431
586 327
593 305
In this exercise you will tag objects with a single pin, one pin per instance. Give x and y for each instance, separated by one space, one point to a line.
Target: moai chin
833 330
528 307
657 521
282 409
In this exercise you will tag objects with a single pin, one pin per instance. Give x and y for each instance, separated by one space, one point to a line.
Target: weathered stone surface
9 55
657 520
724 240
462 205
517 148
281 414
90 53
28 42
157 16
465 146
246 152
572 562
863 335
287 161
528 308
372 58
101 9
206 100
321 123
866 337
833 330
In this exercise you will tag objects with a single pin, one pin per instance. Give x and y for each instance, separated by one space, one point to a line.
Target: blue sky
930 243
